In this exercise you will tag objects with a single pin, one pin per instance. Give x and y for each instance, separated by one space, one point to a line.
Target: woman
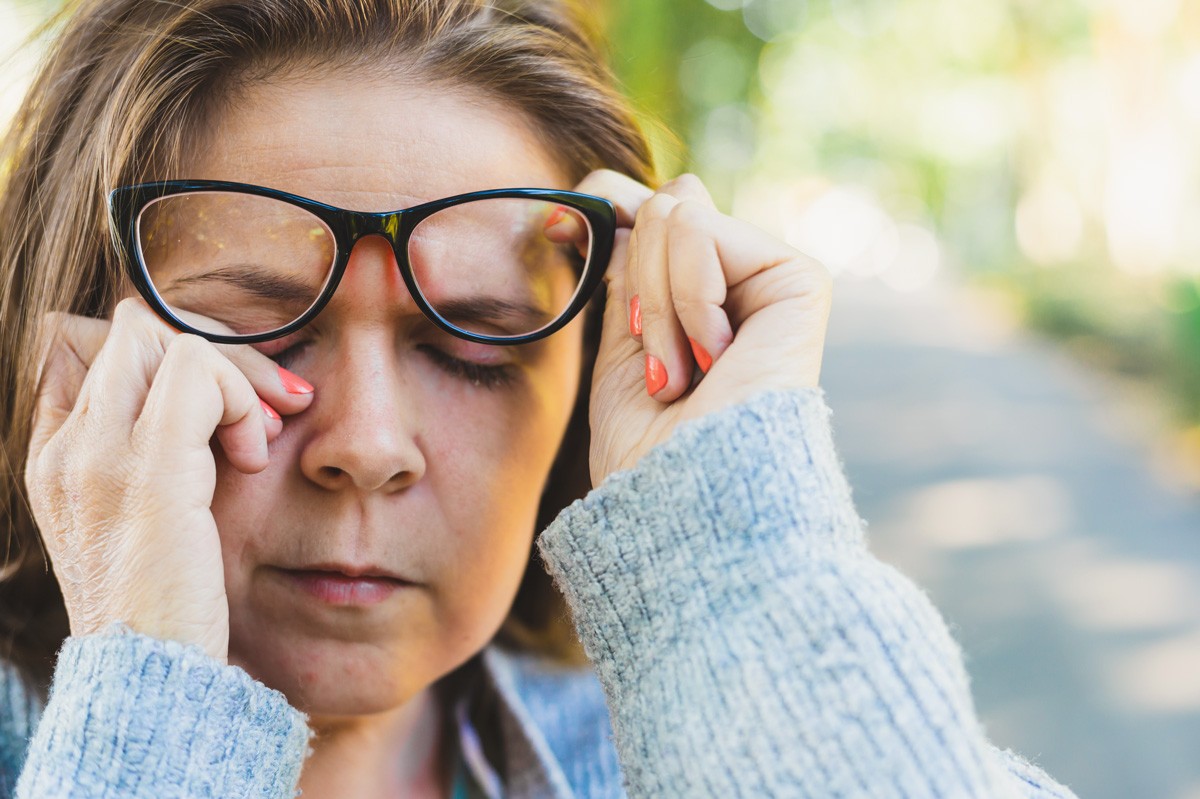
287 453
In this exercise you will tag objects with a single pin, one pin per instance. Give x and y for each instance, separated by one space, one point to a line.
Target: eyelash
489 377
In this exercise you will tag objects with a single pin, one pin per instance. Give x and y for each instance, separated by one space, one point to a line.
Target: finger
646 246
698 287
667 354
618 272
625 193
121 374
196 393
124 370
68 345
231 438
769 286
272 423
748 254
565 225
688 187
615 343
284 391
629 300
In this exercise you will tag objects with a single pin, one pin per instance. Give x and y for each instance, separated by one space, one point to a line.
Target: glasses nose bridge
384 223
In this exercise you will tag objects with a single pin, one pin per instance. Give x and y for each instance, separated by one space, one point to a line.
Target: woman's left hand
755 308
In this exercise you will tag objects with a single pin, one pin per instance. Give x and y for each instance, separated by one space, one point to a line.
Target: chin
324 676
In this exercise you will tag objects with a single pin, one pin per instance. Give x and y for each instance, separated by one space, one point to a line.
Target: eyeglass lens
241 264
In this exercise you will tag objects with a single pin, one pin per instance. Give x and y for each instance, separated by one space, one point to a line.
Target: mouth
339 588
350 570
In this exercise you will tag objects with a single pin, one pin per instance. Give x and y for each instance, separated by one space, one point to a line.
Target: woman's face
399 462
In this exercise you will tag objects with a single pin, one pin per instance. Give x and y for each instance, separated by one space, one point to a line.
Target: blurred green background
1007 194
1046 149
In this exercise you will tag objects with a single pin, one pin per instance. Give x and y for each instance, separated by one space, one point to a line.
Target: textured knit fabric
744 643
19 712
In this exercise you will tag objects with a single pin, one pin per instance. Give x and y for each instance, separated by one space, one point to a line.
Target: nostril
334 477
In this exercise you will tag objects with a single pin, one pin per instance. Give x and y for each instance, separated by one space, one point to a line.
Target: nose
366 418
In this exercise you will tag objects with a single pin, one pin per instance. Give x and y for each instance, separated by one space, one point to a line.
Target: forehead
373 145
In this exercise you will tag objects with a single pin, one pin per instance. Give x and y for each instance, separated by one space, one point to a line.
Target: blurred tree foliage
678 60
1047 149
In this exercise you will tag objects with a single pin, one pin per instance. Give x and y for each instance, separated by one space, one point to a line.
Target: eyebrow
282 288
257 282
493 309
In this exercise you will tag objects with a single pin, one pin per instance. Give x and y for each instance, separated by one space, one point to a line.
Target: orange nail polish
635 316
268 410
703 359
294 383
656 374
554 216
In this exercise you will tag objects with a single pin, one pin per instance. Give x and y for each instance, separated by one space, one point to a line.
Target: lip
334 588
348 570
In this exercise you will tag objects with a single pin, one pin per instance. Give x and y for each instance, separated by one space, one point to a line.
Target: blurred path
1016 487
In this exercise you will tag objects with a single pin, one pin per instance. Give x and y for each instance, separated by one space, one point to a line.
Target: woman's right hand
120 473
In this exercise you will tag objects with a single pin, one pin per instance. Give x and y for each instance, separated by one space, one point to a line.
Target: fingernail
555 215
268 410
702 357
294 383
635 316
656 374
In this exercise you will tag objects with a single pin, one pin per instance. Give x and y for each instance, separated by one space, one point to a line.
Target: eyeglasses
241 264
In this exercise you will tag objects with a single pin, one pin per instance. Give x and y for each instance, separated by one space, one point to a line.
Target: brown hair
120 98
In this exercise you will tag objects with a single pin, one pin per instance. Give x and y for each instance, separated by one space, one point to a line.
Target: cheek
489 474
497 447
244 506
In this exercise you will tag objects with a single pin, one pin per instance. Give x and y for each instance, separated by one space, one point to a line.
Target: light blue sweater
745 642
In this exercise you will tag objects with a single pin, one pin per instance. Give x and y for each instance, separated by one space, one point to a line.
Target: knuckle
599 181
188 346
688 310
687 307
651 305
185 358
808 278
688 182
655 209
602 175
687 214
129 310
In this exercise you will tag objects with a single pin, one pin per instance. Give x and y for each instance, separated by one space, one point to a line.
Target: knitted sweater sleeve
748 642
136 717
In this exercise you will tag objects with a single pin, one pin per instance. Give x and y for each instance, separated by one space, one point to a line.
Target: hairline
224 97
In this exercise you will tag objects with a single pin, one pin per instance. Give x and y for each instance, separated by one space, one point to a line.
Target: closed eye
482 375
487 376
285 357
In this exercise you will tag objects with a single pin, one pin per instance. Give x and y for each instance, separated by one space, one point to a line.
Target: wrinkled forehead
373 143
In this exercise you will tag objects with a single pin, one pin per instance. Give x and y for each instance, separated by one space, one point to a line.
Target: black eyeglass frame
126 203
